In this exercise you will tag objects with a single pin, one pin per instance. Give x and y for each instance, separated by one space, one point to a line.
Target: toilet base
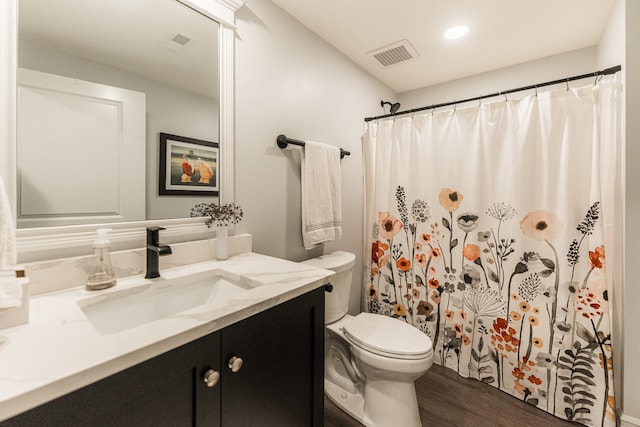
388 403
352 404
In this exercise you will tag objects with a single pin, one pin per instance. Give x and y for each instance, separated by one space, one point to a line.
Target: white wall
611 52
555 67
289 81
631 397
169 110
623 41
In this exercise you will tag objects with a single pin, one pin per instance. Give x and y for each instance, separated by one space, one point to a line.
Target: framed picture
188 166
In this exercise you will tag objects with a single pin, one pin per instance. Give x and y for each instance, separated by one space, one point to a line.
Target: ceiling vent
394 53
178 42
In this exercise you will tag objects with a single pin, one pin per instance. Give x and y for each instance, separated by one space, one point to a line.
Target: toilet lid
387 336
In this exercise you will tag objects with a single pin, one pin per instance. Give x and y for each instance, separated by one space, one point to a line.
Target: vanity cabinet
270 367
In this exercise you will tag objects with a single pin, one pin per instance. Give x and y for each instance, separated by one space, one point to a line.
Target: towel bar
283 141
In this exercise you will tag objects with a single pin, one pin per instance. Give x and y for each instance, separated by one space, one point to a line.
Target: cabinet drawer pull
211 377
235 363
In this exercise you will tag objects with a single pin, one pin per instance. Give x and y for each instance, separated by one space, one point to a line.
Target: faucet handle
153 235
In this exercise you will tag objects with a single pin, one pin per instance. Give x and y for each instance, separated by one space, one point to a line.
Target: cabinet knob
211 377
235 363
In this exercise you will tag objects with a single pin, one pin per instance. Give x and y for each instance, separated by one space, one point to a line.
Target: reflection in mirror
160 54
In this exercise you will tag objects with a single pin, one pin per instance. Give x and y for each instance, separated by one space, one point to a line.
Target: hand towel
10 289
321 194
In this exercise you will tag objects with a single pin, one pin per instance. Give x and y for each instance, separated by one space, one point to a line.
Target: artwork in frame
188 166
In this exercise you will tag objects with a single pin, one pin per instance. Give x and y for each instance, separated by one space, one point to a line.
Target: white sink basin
119 310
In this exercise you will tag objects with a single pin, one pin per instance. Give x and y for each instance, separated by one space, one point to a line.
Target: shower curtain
485 230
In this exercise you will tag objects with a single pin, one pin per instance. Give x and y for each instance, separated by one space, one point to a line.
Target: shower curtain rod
604 72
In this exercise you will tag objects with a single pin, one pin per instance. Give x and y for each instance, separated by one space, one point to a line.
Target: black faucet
155 249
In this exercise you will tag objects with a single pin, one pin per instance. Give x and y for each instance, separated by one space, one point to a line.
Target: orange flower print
515 316
421 260
596 257
425 237
388 225
403 264
399 310
519 387
433 283
449 199
373 294
524 306
471 252
541 225
537 342
465 339
517 373
500 324
434 254
534 380
449 314
416 294
533 321
457 328
377 251
503 333
589 303
436 297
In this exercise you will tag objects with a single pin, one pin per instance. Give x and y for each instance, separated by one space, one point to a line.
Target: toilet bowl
371 361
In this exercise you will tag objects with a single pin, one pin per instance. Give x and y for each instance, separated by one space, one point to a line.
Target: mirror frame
57 242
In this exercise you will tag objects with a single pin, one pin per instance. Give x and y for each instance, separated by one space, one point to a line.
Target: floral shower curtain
484 226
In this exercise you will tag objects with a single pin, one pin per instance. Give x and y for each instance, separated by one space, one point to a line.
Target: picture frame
188 166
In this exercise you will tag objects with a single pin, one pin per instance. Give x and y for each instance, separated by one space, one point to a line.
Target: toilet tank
336 301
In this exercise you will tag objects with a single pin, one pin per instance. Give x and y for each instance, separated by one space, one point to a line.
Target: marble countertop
60 350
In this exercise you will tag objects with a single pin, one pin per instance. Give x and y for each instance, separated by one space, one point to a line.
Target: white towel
10 289
321 194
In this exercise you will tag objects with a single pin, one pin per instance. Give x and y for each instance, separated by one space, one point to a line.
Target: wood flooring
447 400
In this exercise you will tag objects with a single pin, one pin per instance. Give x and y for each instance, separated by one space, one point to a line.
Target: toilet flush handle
328 287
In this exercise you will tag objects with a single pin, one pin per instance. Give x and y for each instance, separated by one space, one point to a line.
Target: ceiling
501 33
123 34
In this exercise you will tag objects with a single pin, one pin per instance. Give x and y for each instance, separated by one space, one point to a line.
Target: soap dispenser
101 274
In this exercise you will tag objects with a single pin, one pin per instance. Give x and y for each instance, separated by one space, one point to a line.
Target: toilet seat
387 337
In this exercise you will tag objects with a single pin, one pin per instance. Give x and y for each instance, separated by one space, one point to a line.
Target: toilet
371 360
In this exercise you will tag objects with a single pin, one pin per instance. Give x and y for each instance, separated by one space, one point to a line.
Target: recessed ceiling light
456 32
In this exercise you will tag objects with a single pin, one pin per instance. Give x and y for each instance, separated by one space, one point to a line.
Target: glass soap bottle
101 274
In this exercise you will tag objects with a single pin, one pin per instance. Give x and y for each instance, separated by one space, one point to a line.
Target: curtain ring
567 83
505 97
595 80
536 89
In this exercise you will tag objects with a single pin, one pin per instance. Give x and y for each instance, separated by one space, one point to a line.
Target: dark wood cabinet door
280 382
168 390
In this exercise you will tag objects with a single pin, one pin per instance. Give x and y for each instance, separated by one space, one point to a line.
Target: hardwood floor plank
448 400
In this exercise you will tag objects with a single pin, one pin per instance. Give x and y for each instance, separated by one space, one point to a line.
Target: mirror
161 49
